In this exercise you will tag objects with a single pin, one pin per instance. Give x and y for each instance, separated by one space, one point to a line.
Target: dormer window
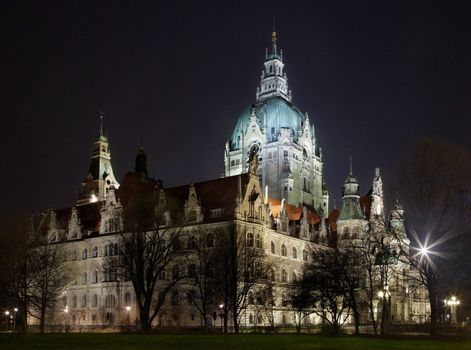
216 213
192 215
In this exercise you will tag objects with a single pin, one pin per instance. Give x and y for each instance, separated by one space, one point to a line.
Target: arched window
259 319
250 318
110 301
285 153
250 239
162 275
192 270
95 276
304 254
192 242
283 250
258 241
127 299
346 233
84 277
295 253
295 277
84 300
95 300
272 275
176 271
175 298
74 300
284 276
84 254
272 247
210 240
191 295
95 252
251 300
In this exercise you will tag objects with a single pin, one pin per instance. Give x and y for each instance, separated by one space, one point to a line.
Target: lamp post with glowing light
384 296
453 304
66 311
221 314
7 319
128 311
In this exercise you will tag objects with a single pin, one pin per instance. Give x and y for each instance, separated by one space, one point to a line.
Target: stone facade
291 165
272 198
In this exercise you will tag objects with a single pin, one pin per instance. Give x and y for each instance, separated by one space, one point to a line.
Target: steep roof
212 195
294 213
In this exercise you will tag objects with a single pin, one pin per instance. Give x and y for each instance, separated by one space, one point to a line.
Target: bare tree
301 301
16 267
49 278
242 266
146 253
202 260
324 287
430 183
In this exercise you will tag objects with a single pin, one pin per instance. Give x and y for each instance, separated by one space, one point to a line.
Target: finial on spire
273 38
351 167
101 123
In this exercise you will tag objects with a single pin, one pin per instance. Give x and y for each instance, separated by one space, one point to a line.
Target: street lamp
7 313
128 310
15 310
66 311
453 303
221 313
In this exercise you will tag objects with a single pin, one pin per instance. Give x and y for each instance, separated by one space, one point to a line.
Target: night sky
374 77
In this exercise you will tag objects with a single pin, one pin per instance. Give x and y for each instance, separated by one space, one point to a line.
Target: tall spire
100 173
350 197
273 82
102 137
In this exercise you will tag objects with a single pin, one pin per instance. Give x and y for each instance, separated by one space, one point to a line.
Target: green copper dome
273 114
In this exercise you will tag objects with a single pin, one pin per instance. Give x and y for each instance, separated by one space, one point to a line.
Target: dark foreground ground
209 342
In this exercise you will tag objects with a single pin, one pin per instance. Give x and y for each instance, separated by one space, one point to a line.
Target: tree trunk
42 320
373 320
433 311
356 315
144 320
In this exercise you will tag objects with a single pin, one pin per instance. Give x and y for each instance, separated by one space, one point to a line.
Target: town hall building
272 197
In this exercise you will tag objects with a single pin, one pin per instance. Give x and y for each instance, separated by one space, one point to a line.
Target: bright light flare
93 198
424 251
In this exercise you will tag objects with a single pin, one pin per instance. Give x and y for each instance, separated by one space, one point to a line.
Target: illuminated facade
291 165
276 200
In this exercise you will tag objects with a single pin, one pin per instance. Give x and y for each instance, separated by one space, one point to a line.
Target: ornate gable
193 210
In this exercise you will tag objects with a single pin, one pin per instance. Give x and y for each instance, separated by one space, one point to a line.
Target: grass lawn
209 342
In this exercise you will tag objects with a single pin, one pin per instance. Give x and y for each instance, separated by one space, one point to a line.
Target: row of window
109 250
192 242
110 301
109 275
283 276
235 162
284 251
